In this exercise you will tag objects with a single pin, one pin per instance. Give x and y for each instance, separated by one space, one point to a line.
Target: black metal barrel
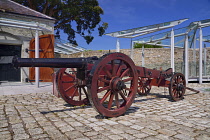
51 62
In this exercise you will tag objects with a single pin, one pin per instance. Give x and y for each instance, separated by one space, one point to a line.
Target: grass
208 89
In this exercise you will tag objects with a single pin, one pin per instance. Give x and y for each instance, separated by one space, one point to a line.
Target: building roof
10 6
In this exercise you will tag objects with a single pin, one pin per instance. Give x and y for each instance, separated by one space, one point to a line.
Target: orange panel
46 45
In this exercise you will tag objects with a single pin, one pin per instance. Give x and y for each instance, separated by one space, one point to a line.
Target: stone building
18 26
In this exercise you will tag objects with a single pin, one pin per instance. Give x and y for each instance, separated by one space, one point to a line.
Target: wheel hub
180 87
117 84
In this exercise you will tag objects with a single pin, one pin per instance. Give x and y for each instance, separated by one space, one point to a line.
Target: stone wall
154 58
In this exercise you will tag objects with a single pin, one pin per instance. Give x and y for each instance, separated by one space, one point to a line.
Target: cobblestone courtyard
44 116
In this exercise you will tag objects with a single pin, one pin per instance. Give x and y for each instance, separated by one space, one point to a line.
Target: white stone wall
154 58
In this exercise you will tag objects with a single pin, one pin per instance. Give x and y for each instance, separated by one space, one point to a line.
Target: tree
139 45
72 16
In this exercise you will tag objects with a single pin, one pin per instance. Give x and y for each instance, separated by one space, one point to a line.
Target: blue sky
127 14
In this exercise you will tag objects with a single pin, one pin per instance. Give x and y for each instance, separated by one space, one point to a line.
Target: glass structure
135 32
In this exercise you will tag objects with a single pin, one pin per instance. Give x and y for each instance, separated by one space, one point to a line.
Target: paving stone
132 131
162 137
74 124
127 136
98 128
125 122
99 137
137 127
20 136
183 137
59 137
83 138
66 128
140 135
40 136
35 131
149 131
89 134
153 126
4 132
3 124
117 131
167 132
115 137
31 125
60 124
3 129
74 134
6 137
203 137
45 123
110 122
19 130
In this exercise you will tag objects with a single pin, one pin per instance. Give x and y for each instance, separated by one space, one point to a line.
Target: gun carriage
108 83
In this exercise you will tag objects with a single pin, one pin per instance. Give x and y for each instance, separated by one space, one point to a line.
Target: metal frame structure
193 26
189 39
136 32
65 47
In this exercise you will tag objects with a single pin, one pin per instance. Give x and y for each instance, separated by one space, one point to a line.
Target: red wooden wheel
177 86
143 86
112 84
71 89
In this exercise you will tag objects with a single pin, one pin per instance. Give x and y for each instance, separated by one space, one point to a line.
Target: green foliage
72 16
208 89
139 45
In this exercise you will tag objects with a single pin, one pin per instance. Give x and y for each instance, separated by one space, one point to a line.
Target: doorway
7 71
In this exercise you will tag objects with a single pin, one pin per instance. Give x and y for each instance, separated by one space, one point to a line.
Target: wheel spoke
117 100
128 79
143 90
120 68
74 93
113 68
125 72
107 72
69 88
105 96
102 89
68 81
110 101
103 80
122 95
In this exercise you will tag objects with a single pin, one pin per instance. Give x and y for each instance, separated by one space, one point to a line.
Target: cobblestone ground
44 116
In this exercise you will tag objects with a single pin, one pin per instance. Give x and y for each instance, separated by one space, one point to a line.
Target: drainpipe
37 56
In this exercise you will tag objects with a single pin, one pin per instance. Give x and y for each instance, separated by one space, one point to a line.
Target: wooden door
46 50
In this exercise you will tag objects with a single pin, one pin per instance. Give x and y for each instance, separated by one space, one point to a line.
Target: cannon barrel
51 62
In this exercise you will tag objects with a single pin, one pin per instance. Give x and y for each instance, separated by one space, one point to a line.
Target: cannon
109 83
